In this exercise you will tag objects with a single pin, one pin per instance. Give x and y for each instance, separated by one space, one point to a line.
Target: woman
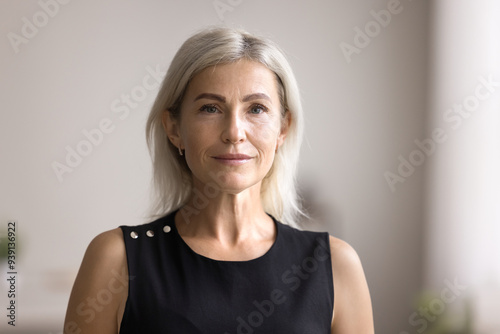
224 134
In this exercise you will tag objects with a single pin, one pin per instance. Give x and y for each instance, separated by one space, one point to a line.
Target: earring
180 150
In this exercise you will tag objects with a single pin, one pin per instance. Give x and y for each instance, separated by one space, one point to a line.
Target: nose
233 129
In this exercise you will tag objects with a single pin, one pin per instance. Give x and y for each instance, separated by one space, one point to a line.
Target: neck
229 218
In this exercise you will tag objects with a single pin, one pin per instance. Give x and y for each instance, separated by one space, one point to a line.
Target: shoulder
343 255
348 274
352 308
106 250
105 255
104 258
101 280
346 266
110 244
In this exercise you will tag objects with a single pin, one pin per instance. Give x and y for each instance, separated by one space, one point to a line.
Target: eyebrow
210 96
222 99
256 96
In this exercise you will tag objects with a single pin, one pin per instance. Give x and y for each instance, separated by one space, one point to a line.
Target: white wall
462 197
361 115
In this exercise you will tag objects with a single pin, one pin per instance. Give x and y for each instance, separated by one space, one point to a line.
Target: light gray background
360 116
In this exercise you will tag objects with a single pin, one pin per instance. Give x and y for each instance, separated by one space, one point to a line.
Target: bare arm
100 291
353 308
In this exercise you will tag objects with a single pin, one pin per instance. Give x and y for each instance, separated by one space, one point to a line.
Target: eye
257 109
209 108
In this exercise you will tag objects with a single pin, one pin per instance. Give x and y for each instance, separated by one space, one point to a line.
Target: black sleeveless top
172 289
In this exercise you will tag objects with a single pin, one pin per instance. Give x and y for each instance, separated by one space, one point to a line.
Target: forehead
241 77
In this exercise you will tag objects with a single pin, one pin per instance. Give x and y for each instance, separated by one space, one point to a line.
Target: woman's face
230 125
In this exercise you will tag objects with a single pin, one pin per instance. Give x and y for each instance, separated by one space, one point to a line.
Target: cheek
198 134
265 133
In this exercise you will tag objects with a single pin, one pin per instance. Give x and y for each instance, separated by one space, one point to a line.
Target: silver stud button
166 229
134 235
150 233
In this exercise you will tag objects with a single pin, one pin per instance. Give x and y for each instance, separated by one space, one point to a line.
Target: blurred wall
94 65
462 211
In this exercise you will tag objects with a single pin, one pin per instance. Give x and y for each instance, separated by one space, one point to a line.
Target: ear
285 125
171 126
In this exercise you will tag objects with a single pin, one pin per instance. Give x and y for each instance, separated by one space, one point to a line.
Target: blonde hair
172 179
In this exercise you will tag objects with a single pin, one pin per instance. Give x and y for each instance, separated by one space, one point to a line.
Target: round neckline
189 249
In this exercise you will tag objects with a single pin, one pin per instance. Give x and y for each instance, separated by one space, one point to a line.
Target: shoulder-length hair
172 179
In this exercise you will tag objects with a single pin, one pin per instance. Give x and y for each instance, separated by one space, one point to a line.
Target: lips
232 159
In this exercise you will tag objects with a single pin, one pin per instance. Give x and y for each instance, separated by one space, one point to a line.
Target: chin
228 183
235 188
